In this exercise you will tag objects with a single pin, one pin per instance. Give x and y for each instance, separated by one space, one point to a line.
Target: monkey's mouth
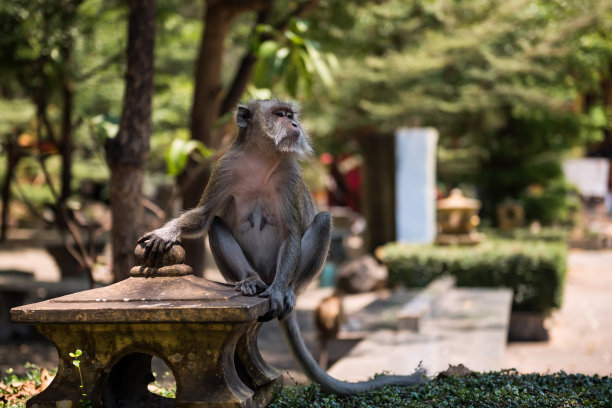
291 139
293 135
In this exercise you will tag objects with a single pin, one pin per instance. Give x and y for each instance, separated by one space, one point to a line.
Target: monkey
329 316
264 230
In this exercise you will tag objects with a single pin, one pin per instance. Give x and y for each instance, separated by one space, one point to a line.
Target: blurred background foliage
511 85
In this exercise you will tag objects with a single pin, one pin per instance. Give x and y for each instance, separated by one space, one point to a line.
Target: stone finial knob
174 255
166 263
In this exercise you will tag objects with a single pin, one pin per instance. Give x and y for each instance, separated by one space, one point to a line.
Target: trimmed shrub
535 270
496 389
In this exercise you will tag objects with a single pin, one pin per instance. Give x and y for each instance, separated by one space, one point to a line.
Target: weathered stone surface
169 264
155 300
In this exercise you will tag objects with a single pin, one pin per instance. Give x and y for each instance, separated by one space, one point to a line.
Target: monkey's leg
315 246
232 262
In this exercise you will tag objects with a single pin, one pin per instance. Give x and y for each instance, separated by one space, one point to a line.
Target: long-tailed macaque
329 316
264 231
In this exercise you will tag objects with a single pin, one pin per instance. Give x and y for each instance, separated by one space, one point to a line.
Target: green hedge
535 270
490 390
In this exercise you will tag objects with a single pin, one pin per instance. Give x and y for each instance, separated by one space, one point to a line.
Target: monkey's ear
243 117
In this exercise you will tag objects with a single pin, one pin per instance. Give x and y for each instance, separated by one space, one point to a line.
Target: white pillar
415 183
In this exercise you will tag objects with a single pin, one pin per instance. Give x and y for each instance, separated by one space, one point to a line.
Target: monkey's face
286 131
279 123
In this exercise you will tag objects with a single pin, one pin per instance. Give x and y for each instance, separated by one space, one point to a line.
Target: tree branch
247 63
112 60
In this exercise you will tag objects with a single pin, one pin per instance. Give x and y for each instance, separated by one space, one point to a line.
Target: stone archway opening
165 383
128 382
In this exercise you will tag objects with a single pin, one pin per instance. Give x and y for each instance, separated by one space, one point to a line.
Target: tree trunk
378 188
207 92
67 130
207 103
205 110
11 162
66 141
126 153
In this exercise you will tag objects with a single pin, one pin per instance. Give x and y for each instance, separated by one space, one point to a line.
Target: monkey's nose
294 124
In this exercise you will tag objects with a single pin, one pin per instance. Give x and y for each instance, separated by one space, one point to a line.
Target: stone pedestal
204 331
415 184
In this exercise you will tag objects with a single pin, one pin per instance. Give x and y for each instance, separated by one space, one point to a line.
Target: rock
363 274
456 371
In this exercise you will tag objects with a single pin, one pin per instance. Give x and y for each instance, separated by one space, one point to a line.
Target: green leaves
84 401
104 127
292 59
495 389
75 356
181 150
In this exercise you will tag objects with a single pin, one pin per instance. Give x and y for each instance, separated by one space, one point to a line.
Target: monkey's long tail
329 384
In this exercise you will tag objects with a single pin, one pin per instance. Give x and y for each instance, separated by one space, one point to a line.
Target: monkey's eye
280 114
290 115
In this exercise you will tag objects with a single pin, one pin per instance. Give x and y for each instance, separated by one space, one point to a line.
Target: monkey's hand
281 304
158 241
251 286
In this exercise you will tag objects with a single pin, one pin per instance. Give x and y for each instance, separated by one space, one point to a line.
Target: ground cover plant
453 388
496 389
16 389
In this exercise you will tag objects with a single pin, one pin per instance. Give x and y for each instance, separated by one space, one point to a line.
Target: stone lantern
510 215
205 332
457 220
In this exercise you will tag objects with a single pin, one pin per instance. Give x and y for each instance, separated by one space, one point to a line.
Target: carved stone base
116 365
205 332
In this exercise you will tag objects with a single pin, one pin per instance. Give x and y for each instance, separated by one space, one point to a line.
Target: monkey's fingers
144 238
147 252
250 286
157 251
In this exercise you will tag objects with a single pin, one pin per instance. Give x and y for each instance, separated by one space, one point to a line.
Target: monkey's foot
281 304
251 286
288 304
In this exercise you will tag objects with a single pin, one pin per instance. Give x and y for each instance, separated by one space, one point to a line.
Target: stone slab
467 326
401 308
159 299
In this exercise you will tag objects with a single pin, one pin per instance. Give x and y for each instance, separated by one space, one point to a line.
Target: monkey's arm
191 223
